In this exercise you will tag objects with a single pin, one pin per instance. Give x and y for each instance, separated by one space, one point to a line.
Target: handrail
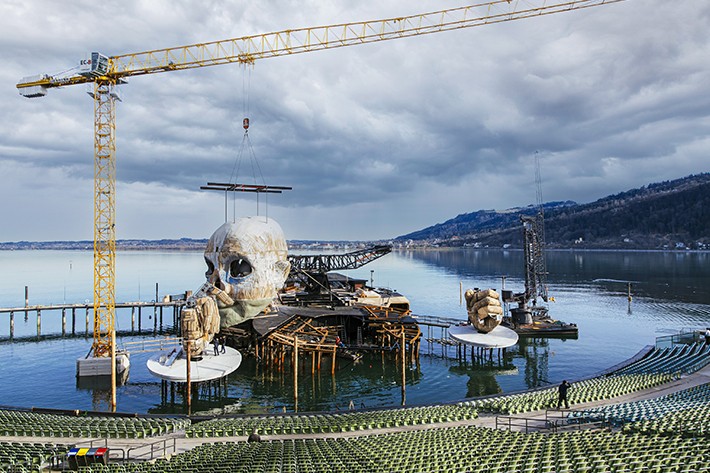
527 422
153 449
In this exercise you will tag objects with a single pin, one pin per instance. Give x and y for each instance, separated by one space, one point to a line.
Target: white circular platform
170 368
499 337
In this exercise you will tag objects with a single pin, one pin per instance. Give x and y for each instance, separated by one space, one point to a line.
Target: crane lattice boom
248 49
326 263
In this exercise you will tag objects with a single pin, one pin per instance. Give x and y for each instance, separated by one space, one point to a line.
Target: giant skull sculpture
248 260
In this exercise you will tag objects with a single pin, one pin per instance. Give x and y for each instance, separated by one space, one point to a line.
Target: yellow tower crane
107 72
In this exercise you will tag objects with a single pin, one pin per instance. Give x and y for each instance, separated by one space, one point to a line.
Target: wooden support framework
390 329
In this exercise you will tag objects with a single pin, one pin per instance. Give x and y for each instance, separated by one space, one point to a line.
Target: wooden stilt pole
113 370
189 381
403 351
295 373
332 368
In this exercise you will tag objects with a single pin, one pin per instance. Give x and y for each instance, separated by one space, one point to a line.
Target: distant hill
665 215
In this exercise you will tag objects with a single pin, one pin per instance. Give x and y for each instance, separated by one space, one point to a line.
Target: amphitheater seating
678 359
21 456
694 422
696 398
21 423
594 389
472 449
329 422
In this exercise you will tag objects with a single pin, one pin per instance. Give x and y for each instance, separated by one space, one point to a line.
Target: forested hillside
665 215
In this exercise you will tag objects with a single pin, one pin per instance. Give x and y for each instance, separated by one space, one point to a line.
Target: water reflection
676 276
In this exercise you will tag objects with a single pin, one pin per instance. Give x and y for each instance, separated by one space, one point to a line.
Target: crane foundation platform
101 366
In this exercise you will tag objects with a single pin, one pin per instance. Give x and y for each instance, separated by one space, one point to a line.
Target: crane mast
104 215
108 72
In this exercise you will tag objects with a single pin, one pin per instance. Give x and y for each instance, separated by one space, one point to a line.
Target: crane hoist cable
246 148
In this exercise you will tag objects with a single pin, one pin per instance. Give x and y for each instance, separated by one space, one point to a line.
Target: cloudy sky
376 140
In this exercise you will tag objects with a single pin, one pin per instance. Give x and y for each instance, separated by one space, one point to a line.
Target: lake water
671 291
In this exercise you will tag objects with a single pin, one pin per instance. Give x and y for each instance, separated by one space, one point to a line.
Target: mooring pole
155 309
64 321
86 332
12 324
189 389
73 320
133 319
404 367
39 322
332 368
113 370
295 373
27 296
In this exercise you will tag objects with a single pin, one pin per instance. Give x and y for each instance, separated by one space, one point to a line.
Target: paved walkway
142 446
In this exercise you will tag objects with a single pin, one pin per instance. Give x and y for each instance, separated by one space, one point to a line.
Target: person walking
562 394
215 345
223 344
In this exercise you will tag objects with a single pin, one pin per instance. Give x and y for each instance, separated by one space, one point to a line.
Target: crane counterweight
27 87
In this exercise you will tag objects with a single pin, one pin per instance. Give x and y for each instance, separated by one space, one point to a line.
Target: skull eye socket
210 268
239 268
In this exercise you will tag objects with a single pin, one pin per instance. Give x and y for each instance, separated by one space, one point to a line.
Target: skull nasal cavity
240 268
210 268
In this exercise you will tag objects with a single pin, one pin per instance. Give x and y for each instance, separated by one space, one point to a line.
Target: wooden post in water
12 324
332 368
73 320
155 310
295 372
189 384
27 297
161 317
86 332
113 370
133 319
139 317
403 351
39 322
64 321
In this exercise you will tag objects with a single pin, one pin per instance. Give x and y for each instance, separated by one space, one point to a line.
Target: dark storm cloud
425 128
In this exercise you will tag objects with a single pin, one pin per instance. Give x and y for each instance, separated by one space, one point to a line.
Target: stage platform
499 337
172 366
